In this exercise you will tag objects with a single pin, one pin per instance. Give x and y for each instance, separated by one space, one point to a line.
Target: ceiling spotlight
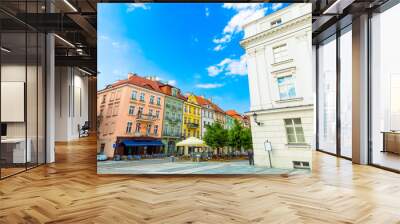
70 5
84 71
64 40
5 50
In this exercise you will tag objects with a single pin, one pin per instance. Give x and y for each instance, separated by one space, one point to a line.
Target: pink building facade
130 115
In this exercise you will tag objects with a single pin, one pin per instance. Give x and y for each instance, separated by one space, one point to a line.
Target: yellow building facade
191 126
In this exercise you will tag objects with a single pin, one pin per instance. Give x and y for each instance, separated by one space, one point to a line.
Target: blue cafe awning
132 143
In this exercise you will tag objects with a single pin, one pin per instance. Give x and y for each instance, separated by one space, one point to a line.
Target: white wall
71 102
263 72
273 130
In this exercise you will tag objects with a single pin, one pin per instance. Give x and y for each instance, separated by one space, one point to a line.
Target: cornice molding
267 33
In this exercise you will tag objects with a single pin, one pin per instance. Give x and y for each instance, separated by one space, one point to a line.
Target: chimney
130 75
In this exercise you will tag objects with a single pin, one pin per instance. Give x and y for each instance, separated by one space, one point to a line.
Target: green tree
246 139
234 135
216 136
239 137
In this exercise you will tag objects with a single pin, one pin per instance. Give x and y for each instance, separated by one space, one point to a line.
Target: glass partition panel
385 89
327 96
13 115
41 99
346 92
31 98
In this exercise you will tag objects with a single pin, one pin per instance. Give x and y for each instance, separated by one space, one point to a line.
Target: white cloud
172 82
237 67
207 12
219 47
276 6
209 85
230 67
245 13
213 70
224 39
133 6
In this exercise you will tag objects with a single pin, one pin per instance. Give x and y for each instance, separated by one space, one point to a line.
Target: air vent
301 165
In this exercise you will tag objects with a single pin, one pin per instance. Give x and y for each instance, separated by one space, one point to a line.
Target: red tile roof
203 102
234 114
149 84
139 81
167 89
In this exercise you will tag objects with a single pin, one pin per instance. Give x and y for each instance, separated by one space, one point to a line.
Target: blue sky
194 46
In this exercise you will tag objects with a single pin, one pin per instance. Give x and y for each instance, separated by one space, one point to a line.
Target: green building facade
229 122
172 123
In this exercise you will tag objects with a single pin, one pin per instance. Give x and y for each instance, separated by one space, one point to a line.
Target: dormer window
174 92
276 22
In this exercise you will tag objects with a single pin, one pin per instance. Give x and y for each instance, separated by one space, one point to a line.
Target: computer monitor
3 129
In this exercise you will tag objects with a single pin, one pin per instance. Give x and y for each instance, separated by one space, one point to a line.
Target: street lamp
255 119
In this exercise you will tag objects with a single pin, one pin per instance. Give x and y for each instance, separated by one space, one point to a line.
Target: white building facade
278 53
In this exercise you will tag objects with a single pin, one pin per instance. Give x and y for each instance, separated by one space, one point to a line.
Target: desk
391 141
13 150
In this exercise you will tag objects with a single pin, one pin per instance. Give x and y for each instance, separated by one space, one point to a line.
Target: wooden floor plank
70 191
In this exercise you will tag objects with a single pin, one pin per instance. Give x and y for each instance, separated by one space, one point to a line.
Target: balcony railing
192 125
146 117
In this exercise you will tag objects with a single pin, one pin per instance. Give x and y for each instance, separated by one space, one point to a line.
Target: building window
294 130
118 95
109 110
157 114
104 98
148 130
131 110
151 99
286 87
155 129
133 95
138 127
112 126
129 127
280 53
142 97
276 22
112 96
158 101
150 112
140 110
185 108
116 107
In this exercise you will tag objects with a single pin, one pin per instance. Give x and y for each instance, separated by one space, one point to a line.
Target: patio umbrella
192 142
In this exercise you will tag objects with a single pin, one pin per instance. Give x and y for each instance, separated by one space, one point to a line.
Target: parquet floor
70 191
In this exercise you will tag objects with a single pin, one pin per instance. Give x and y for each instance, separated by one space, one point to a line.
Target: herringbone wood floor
70 191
